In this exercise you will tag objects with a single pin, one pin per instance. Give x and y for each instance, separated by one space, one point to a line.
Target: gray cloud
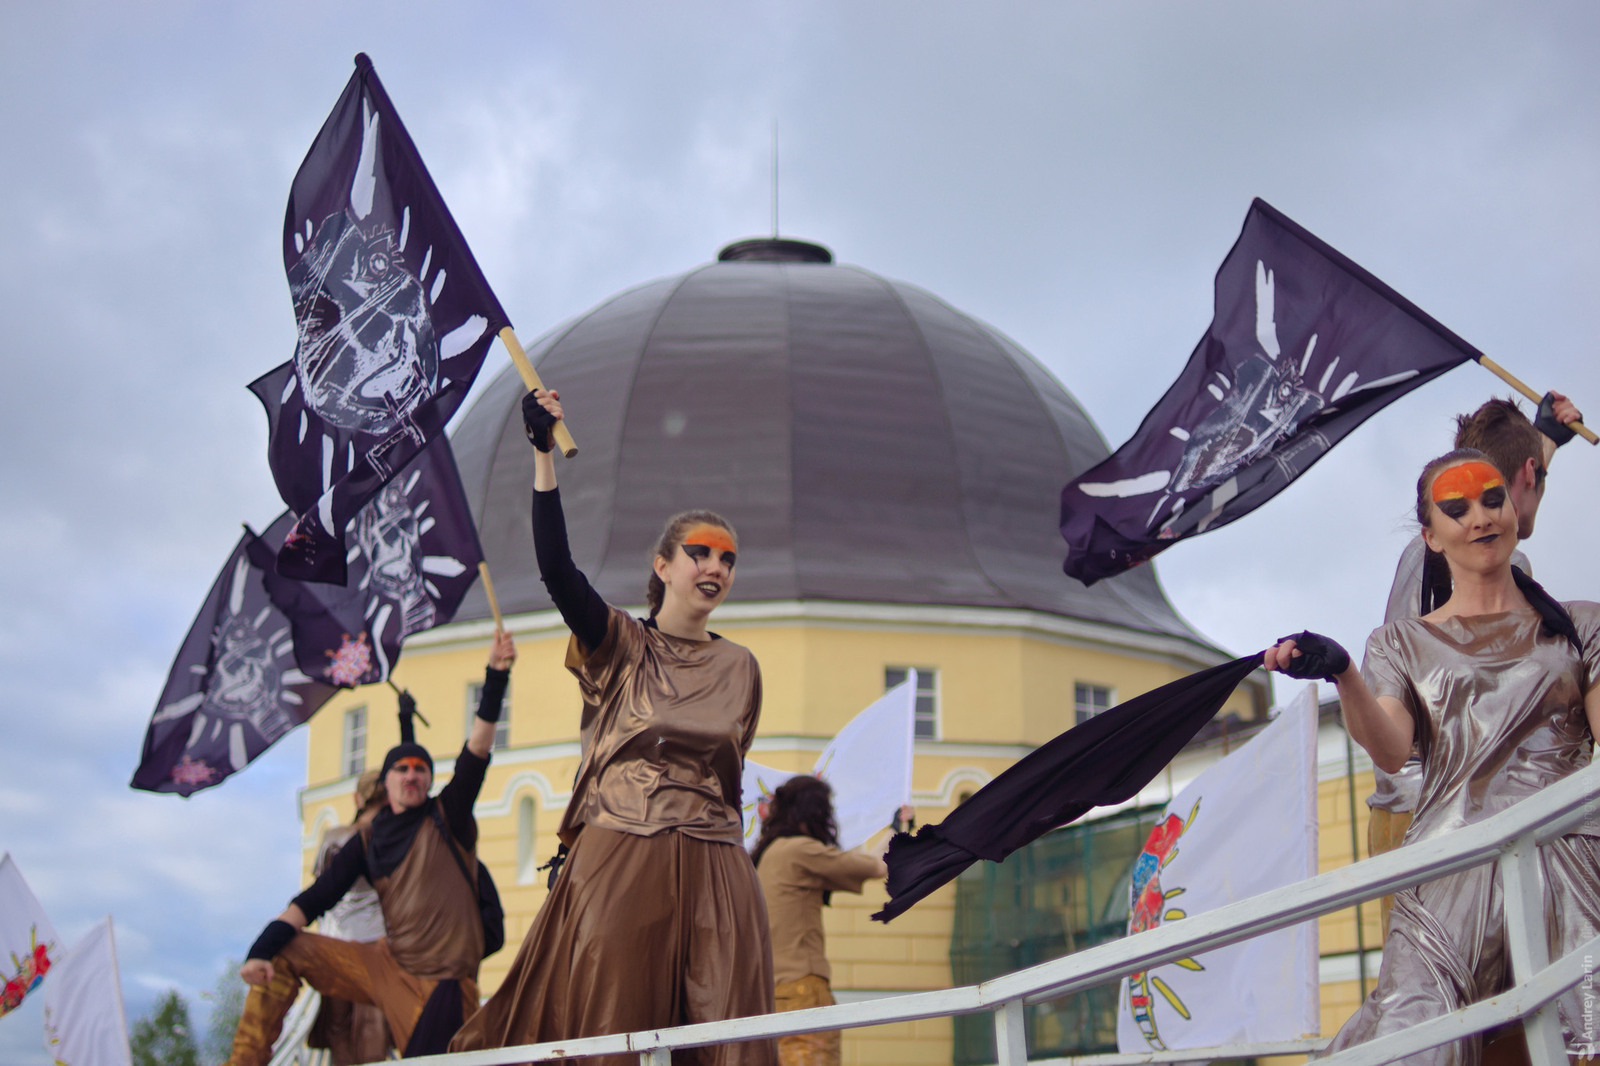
1072 174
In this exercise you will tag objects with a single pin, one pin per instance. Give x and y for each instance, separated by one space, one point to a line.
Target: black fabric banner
393 319
1304 346
413 554
1105 760
233 690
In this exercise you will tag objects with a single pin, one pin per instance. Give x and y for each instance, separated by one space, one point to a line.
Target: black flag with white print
412 554
1304 346
233 690
393 320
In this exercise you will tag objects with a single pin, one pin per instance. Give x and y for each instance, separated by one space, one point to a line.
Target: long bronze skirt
638 933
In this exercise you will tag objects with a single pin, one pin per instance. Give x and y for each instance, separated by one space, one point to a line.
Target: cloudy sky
1071 173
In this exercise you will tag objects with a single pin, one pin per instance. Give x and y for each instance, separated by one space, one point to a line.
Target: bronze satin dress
1499 711
657 918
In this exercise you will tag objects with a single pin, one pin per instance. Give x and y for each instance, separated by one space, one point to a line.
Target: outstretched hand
503 652
1307 655
257 972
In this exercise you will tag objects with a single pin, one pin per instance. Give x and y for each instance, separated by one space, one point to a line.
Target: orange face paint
409 763
712 537
1467 481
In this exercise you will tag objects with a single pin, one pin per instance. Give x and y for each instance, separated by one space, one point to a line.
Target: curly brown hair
800 807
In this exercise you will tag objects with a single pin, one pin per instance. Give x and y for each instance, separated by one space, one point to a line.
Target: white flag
1245 826
868 764
84 1023
29 946
759 784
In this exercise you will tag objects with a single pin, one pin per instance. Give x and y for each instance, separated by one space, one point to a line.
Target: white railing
1510 838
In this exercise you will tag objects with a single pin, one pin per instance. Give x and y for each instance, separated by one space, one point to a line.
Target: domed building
893 468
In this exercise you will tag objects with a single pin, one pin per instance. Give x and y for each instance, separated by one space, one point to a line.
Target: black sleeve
581 607
494 693
461 793
347 864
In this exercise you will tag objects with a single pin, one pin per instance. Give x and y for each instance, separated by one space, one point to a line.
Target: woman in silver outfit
1499 690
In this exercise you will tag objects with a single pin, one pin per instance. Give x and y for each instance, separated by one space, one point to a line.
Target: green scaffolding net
1064 892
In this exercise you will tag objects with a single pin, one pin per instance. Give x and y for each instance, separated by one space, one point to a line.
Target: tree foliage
227 1003
164 1037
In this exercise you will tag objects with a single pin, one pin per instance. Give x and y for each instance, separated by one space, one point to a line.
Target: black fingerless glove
494 693
1319 657
537 422
408 712
273 939
1545 421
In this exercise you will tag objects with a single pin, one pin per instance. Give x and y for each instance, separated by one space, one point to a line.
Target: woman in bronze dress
1499 689
656 919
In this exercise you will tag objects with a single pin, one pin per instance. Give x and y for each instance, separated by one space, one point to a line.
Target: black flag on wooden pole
233 690
393 320
413 553
1304 346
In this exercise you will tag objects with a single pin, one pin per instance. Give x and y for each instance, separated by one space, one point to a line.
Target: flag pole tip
363 62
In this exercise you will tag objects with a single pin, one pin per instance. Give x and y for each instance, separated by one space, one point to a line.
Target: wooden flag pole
1511 379
488 591
530 378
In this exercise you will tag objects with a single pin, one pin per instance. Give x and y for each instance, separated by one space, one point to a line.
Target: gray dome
869 442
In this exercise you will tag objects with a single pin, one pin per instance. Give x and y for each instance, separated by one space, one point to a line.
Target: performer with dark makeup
1522 450
656 918
800 866
1499 689
423 973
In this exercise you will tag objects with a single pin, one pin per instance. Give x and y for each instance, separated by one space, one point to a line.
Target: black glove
408 711
1545 421
1319 657
537 423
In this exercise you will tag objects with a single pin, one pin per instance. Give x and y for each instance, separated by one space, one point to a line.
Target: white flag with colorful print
29 946
868 764
84 1021
1245 826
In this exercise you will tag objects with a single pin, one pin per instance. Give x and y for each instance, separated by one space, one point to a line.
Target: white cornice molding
1099 636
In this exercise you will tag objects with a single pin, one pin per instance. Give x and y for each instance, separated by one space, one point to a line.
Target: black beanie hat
402 751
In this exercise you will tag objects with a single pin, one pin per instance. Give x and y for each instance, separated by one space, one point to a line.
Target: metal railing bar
1508 1006
1562 805
1549 814
1199 1054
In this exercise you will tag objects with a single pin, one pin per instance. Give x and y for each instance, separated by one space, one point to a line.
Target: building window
354 747
527 840
1090 700
502 728
927 727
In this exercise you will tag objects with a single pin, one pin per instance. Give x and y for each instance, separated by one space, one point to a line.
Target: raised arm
585 613
502 653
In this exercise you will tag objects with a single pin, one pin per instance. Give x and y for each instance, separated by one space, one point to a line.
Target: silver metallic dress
1499 711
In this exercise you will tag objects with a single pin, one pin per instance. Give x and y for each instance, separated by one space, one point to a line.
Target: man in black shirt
423 973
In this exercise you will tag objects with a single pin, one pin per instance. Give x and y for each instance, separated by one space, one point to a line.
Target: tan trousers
1385 831
806 1049
360 973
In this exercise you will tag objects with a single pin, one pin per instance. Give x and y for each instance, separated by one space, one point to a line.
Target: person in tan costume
423 973
800 865
656 917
